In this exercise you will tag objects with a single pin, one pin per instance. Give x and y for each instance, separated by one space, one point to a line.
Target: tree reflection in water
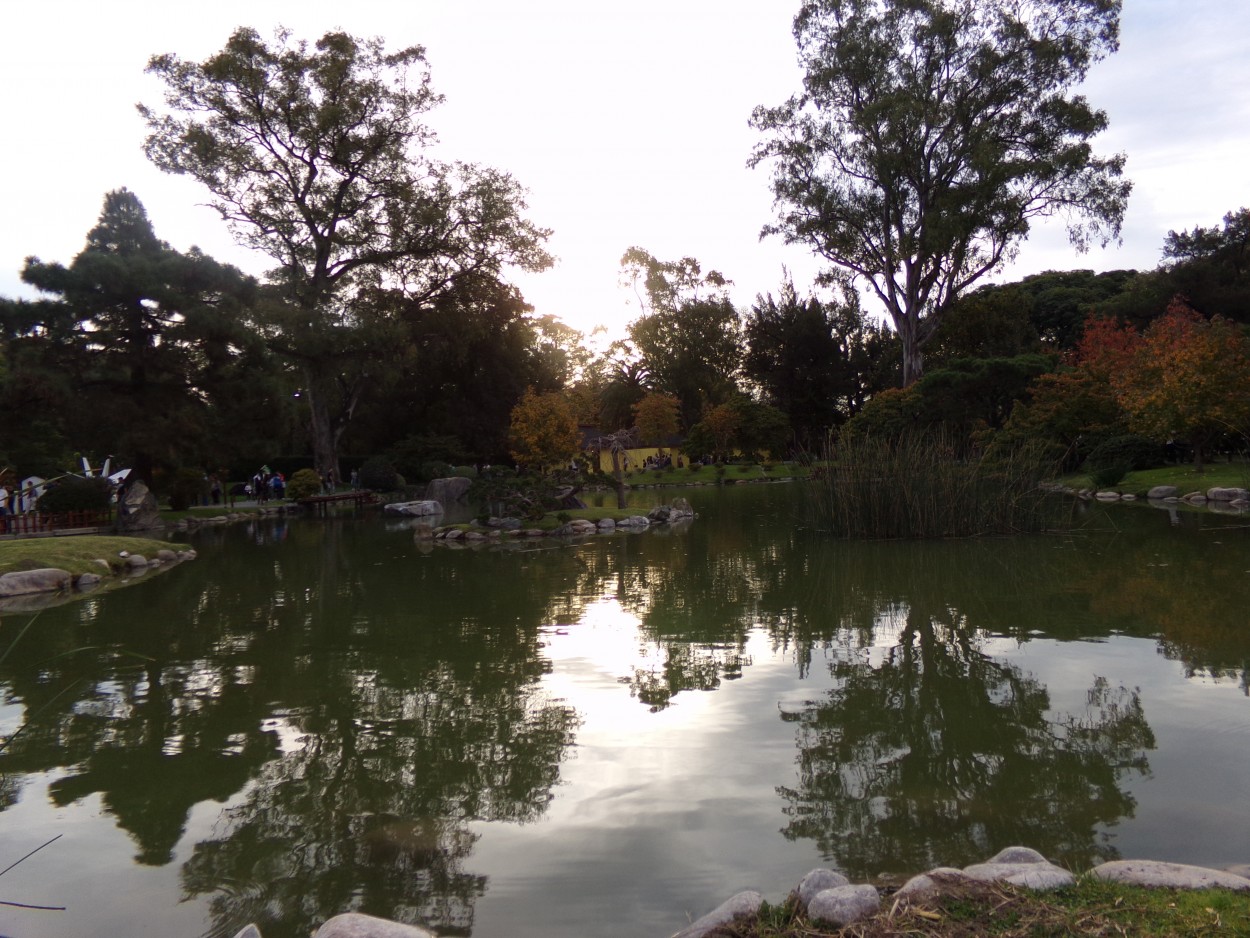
938 754
361 707
357 730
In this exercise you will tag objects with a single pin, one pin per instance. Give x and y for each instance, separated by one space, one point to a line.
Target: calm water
608 737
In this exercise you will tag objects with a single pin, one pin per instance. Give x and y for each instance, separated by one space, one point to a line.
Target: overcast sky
626 122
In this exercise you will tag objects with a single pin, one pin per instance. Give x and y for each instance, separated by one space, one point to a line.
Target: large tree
818 362
689 336
149 343
319 158
1211 266
928 137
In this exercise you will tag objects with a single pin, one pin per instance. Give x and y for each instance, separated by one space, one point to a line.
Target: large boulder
1163 491
137 509
43 580
448 490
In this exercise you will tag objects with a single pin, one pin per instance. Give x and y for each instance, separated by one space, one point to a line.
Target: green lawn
74 553
1221 474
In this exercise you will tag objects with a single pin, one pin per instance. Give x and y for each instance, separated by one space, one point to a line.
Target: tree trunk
323 428
913 359
620 479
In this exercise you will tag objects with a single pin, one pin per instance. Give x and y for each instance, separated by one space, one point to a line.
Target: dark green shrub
1104 477
1132 452
379 474
305 483
186 488
76 494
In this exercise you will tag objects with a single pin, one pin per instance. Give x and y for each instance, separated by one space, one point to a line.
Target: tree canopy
689 336
928 137
319 158
150 346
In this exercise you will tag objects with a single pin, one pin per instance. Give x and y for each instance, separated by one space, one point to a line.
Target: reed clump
925 484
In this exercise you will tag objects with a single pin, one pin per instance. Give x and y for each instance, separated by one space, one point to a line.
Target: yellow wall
634 458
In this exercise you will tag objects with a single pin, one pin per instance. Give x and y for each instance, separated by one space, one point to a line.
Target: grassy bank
1222 475
76 554
1090 908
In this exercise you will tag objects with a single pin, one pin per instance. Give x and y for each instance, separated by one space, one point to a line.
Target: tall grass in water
919 485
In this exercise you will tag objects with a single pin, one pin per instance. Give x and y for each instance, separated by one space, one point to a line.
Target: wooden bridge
321 503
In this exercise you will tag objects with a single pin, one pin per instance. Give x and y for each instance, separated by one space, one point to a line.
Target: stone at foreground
249 931
1017 855
1021 866
843 905
930 884
1171 875
817 881
744 903
355 925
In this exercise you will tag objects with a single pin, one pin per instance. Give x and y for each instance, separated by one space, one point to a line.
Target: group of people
265 485
262 486
664 461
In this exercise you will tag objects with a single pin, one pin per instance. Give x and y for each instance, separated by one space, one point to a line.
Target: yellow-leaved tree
544 430
657 417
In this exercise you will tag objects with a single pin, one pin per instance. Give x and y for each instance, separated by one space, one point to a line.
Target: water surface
612 736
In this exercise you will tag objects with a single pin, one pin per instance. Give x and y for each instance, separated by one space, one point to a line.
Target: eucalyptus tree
930 135
689 336
319 158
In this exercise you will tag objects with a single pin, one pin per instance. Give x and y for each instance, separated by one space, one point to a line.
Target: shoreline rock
507 531
828 897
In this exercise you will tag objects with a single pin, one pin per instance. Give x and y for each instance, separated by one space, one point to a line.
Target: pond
614 736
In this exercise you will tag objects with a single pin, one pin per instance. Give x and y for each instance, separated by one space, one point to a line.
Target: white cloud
628 125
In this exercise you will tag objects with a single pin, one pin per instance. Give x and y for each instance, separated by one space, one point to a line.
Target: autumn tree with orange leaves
658 417
544 430
1185 378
